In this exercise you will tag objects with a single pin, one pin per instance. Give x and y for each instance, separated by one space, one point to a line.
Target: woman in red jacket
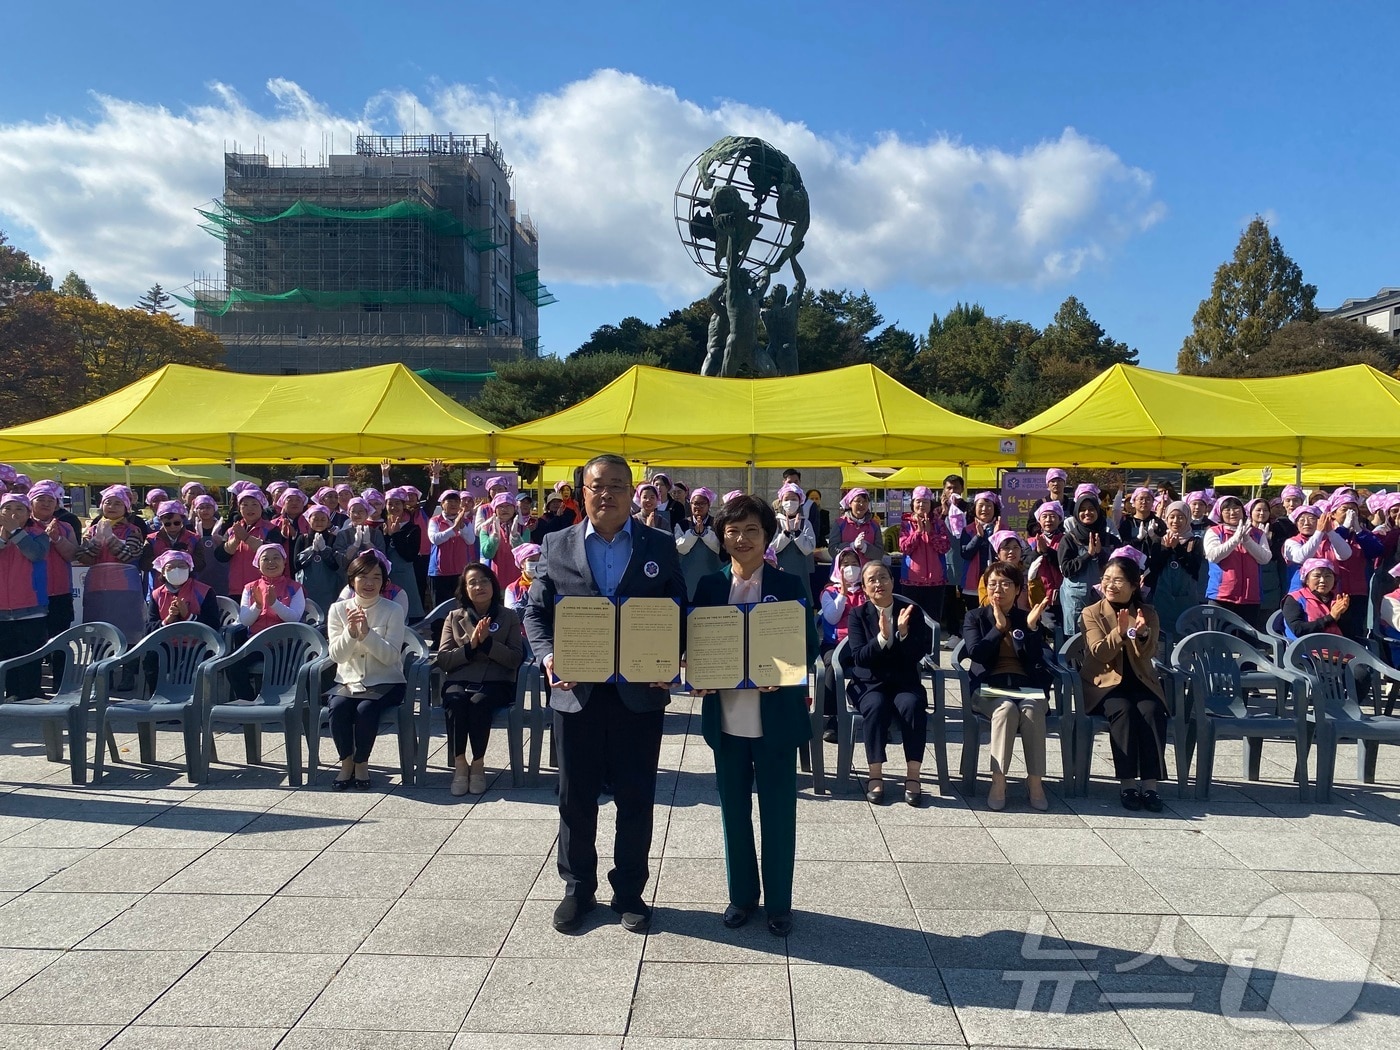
924 540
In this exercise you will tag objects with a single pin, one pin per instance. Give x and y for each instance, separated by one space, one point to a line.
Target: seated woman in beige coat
1120 683
481 649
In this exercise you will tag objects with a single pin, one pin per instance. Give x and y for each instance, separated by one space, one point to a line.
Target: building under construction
410 250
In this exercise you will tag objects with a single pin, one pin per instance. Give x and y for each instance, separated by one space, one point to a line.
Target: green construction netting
439 219
533 289
442 375
465 305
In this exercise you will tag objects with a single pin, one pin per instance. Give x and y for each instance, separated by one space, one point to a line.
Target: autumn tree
1253 295
39 371
1310 346
19 274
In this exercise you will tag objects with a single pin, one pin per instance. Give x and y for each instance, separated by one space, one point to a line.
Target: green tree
156 301
1253 295
1309 346
529 389
76 286
968 358
628 337
19 274
1071 351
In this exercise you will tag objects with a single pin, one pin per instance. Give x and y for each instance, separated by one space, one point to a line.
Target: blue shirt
608 560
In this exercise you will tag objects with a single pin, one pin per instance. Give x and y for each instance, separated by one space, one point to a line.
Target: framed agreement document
599 639
746 646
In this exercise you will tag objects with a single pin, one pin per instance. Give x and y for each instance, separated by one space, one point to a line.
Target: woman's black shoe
875 792
735 916
1152 802
341 785
361 785
1132 799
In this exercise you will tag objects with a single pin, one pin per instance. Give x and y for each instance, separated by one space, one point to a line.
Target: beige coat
1105 648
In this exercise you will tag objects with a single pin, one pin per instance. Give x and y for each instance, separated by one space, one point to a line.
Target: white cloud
596 165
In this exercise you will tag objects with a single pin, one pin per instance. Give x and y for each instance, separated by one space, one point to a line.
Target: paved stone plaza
147 913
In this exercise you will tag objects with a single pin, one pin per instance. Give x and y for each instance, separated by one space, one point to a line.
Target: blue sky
1187 119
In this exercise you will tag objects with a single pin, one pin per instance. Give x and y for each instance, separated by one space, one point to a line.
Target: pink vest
924 550
1351 574
425 545
850 530
193 593
241 570
60 568
1238 574
450 558
282 589
1313 608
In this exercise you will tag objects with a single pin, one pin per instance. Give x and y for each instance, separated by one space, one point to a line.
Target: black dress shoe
341 785
568 917
829 736
636 914
361 784
780 925
1152 802
874 793
735 916
1131 798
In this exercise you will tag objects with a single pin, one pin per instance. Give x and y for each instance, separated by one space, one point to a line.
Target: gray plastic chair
288 652
1068 664
1059 720
314 616
228 610
401 720
849 723
175 653
83 647
1209 617
1211 662
1329 664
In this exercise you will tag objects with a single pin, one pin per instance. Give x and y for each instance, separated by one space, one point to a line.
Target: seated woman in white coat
366 633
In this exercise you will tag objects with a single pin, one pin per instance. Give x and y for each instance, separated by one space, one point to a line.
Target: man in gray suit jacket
604 732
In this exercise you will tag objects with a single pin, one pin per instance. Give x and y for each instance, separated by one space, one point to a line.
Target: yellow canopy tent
196 415
1318 476
113 471
1131 416
847 415
908 477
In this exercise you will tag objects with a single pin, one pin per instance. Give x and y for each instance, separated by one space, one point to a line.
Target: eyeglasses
1000 585
751 532
606 490
1112 581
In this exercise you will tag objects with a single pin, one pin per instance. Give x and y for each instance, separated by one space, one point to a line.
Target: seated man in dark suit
604 732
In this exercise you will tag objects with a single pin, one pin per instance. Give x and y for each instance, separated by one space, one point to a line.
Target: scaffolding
530 286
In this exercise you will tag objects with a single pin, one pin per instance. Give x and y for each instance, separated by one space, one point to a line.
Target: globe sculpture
742 214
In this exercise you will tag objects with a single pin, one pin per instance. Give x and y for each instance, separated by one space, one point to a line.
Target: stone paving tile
988 1014
404 993
566 999
395 836
876 1004
222 870
454 876
332 1039
1167 847
113 868
328 925
995 940
1053 846
156 1037
98 988
17 965
697 880
67 833
285 829
1137 944
1070 887
533 935
859 937
242 990
23 869
58 920
866 882
1228 891
699 935
56 1037
1286 850
697 1000
385 875
433 927
175 922
507 837
1329 895
965 886
943 845
188 828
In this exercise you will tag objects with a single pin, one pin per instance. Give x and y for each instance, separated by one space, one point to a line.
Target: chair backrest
286 648
1274 626
314 615
1329 662
424 627
228 610
85 645
179 650
1214 662
935 654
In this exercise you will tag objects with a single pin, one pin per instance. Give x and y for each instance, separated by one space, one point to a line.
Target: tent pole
330 471
1182 490
128 473
232 461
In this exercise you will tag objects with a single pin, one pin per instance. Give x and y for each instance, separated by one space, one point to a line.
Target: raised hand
999 617
906 618
1037 611
1339 605
481 631
1125 621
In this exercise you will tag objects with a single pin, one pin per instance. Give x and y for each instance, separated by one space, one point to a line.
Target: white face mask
176 577
531 567
850 573
791 505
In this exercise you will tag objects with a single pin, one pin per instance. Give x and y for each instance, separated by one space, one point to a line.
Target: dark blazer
894 668
564 570
784 714
982 643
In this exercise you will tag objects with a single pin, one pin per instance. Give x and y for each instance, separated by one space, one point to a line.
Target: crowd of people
370 563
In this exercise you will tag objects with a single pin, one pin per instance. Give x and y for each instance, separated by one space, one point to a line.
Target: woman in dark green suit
755 733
